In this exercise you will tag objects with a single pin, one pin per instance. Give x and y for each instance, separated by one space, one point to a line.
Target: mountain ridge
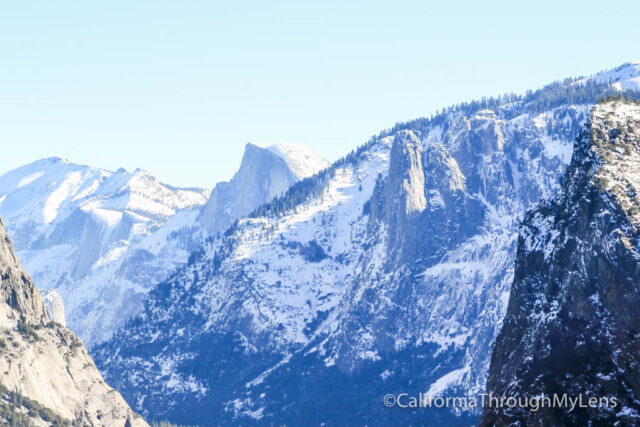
355 276
265 172
101 239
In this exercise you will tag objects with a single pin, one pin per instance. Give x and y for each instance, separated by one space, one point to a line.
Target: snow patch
447 381
29 179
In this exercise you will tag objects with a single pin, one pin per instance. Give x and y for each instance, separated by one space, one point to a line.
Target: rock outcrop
265 172
572 324
45 362
54 306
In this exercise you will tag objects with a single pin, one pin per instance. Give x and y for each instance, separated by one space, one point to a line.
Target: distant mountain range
302 292
101 240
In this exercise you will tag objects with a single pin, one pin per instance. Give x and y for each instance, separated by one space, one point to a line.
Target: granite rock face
572 324
18 295
45 362
265 172
54 306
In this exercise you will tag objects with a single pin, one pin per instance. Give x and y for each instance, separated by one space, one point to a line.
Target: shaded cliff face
573 324
46 363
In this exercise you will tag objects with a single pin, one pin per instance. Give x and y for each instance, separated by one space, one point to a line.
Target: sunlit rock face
44 362
54 306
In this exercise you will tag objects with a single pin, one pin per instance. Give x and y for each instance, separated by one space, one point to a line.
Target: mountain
48 378
388 272
572 323
84 232
102 239
265 172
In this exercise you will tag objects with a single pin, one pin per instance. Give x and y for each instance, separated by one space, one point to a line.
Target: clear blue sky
178 87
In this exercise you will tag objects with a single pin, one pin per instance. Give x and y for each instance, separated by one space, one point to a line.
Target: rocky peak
19 299
449 177
404 187
399 199
572 321
261 164
422 195
265 172
406 168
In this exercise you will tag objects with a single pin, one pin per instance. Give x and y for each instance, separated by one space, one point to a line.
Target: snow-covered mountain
85 232
572 321
265 172
389 272
101 240
46 375
622 78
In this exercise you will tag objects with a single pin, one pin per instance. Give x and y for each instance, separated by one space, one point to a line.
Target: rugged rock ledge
572 323
45 362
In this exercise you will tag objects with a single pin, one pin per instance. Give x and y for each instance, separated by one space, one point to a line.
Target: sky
179 87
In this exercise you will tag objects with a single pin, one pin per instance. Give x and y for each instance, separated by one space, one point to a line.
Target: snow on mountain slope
388 272
102 239
285 271
302 161
624 77
78 230
46 363
265 172
49 190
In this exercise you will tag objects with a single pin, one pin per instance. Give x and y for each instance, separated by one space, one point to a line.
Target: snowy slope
102 239
388 272
624 77
82 232
265 172
302 161
273 285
